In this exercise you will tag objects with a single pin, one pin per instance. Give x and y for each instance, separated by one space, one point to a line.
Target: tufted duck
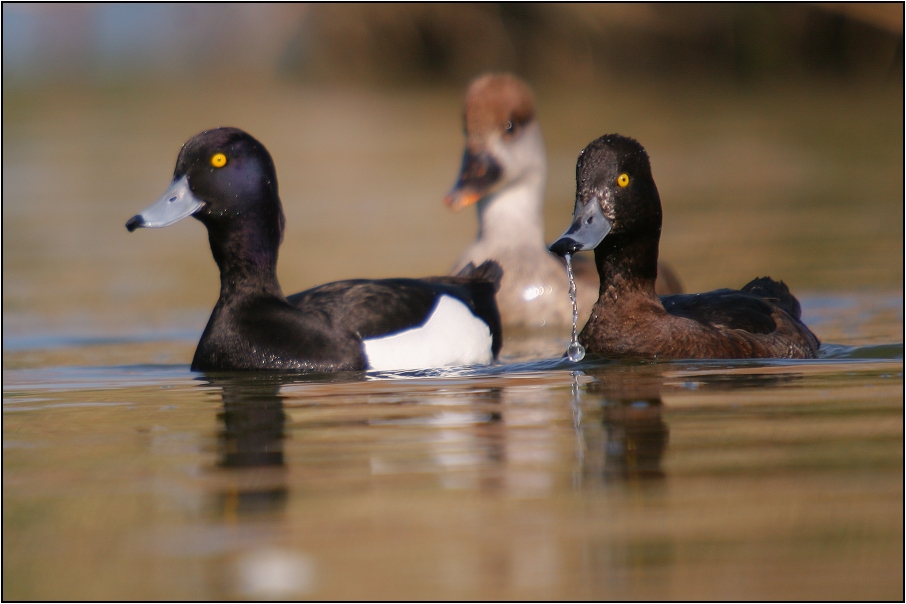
226 179
618 214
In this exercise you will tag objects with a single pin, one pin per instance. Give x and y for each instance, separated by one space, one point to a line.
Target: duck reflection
250 444
630 441
488 439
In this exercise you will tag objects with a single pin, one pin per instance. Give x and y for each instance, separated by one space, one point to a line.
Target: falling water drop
575 352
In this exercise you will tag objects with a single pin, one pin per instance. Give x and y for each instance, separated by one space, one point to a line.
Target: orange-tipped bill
477 178
458 199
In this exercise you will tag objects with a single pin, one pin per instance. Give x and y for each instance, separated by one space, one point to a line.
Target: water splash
575 352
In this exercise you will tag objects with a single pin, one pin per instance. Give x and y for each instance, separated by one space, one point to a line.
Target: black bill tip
564 246
135 222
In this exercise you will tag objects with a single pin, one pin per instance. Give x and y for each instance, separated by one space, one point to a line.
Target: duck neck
246 254
513 215
626 264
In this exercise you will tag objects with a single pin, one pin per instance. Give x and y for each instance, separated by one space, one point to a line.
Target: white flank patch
452 335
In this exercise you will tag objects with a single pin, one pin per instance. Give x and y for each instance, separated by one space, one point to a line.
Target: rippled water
126 476
529 479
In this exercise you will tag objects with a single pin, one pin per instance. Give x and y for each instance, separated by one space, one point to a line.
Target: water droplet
575 352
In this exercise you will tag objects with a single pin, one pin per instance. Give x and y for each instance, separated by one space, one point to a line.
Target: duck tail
489 270
776 292
483 283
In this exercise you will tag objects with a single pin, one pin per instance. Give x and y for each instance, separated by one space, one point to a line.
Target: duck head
615 196
504 145
224 178
227 180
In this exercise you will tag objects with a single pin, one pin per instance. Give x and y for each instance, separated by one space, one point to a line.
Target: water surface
529 479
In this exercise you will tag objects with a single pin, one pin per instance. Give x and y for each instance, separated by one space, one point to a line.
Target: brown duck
618 214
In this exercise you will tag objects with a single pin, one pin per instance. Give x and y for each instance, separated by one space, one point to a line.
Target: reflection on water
253 483
251 442
635 435
620 433
547 479
627 443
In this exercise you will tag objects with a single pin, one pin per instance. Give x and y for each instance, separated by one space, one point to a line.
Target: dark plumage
618 214
226 179
352 302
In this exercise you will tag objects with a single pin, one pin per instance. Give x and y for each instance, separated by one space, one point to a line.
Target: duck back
776 292
760 320
404 303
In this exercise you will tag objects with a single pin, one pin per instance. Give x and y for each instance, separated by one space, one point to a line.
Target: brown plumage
618 214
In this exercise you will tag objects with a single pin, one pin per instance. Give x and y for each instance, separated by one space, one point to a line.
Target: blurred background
775 131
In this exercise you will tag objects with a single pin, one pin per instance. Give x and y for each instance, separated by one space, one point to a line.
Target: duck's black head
227 180
616 196
221 175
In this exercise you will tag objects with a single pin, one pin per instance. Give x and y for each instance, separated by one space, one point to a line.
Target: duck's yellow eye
623 180
218 160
